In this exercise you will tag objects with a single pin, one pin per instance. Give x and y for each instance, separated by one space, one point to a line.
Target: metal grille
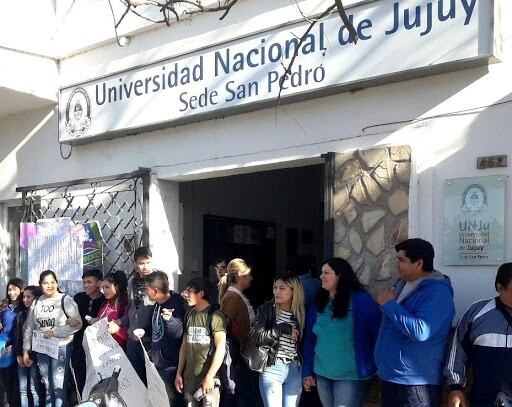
119 203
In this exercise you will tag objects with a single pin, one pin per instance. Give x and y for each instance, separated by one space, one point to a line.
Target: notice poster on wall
57 245
60 245
474 221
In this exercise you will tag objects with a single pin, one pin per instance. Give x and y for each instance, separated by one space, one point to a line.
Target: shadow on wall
16 132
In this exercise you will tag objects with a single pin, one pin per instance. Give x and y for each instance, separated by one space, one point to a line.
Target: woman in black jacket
276 335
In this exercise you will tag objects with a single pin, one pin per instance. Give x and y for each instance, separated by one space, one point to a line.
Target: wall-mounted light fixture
124 41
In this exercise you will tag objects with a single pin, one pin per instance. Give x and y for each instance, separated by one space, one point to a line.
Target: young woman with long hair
29 377
277 333
8 374
340 338
233 303
115 290
48 315
236 306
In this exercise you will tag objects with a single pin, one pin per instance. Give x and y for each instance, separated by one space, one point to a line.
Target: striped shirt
287 349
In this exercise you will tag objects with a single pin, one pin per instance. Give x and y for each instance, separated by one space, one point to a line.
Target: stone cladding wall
371 206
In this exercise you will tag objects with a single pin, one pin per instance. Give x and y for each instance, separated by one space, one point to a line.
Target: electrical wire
362 134
462 112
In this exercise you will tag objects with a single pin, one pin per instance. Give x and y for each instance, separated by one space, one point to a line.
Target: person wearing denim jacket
341 330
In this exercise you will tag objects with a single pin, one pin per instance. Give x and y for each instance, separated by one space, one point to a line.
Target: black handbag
255 356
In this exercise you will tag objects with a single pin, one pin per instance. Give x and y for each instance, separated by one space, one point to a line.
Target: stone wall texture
371 206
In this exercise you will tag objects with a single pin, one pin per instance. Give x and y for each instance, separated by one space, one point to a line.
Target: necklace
107 311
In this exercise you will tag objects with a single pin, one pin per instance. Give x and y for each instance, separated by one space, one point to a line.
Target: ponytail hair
236 268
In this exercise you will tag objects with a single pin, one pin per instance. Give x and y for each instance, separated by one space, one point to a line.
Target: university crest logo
78 113
474 199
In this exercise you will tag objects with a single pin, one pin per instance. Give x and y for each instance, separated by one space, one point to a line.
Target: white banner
407 37
157 392
103 355
46 346
58 246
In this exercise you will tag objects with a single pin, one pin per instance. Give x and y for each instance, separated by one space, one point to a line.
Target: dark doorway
254 241
262 217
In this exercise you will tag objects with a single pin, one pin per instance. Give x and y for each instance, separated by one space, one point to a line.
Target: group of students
211 348
28 377
35 379
336 337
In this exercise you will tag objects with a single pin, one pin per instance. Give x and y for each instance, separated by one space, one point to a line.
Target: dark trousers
247 393
9 379
79 371
168 375
402 395
310 398
136 357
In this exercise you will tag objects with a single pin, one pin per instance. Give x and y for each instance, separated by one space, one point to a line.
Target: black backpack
226 372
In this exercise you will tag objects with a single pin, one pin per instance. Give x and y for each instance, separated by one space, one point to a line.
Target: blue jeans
342 393
30 379
402 395
281 384
54 374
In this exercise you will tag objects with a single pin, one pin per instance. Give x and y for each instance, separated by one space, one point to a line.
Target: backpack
226 371
61 304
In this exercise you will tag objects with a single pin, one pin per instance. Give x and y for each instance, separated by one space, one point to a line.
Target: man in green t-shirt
200 359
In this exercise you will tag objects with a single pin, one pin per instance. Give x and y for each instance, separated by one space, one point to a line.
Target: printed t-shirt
197 360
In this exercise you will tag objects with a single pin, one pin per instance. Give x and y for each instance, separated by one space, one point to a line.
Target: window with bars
119 203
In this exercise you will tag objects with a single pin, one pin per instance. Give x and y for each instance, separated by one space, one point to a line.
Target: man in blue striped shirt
483 340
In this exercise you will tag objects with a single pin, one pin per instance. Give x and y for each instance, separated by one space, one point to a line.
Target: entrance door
253 241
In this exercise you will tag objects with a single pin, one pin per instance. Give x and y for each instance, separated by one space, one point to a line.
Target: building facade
353 157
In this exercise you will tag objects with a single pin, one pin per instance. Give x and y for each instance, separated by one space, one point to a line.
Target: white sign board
474 221
103 355
55 247
406 37
46 346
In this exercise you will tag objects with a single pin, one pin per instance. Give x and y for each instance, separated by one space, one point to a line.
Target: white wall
164 226
444 146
